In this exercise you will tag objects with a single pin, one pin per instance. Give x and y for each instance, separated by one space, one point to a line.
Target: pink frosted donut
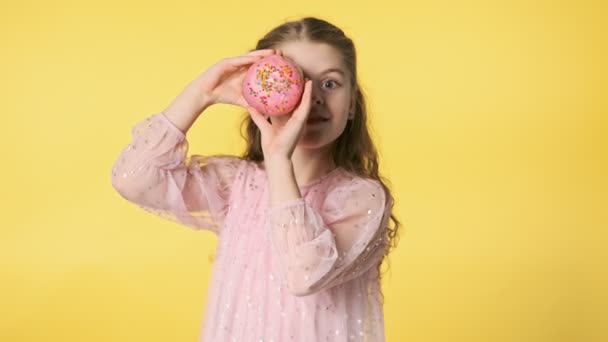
273 85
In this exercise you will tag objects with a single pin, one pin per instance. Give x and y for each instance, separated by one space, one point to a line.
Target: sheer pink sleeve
318 250
154 173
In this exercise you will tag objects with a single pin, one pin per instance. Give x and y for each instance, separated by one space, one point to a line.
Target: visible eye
330 84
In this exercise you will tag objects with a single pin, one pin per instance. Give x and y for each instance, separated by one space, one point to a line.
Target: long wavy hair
354 150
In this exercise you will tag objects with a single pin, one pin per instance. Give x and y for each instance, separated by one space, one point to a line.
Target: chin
314 144
316 139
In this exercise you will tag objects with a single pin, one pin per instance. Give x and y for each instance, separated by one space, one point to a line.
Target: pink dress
305 270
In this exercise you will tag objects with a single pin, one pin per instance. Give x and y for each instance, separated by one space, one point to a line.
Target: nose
317 96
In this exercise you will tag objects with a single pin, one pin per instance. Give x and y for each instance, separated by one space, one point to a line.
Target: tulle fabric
304 270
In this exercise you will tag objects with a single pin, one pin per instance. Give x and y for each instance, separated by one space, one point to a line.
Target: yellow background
491 118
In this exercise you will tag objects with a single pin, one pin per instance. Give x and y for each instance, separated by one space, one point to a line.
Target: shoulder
348 184
352 194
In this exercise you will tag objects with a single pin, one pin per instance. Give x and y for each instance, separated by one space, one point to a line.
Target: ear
351 108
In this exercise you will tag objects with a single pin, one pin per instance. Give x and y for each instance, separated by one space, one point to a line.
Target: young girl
301 218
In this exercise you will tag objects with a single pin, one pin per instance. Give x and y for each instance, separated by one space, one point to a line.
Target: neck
310 164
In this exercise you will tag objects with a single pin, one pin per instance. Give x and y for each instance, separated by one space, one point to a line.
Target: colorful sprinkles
270 79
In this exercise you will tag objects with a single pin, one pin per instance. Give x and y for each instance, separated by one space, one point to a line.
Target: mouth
316 120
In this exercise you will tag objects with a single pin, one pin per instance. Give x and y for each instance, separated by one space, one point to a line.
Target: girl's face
331 99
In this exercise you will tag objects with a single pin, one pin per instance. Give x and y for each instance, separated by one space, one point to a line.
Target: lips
315 118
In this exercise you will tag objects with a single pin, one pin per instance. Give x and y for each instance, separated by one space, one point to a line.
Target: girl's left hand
278 143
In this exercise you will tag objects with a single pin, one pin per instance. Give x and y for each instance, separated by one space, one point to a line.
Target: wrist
204 101
282 183
277 163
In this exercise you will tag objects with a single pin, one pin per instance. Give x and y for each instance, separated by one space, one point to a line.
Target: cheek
340 102
339 111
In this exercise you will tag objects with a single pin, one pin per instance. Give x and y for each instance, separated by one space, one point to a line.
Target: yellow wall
491 118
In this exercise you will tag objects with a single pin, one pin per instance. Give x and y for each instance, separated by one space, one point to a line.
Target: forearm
186 107
281 182
137 173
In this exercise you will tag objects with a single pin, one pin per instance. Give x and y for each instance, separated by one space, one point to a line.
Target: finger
242 102
303 109
259 119
233 64
262 52
240 61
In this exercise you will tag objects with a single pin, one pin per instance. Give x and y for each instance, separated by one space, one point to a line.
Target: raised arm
154 170
155 173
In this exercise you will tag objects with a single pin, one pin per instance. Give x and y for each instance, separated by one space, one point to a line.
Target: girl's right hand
222 82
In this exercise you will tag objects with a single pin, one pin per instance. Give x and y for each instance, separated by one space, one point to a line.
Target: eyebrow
336 70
